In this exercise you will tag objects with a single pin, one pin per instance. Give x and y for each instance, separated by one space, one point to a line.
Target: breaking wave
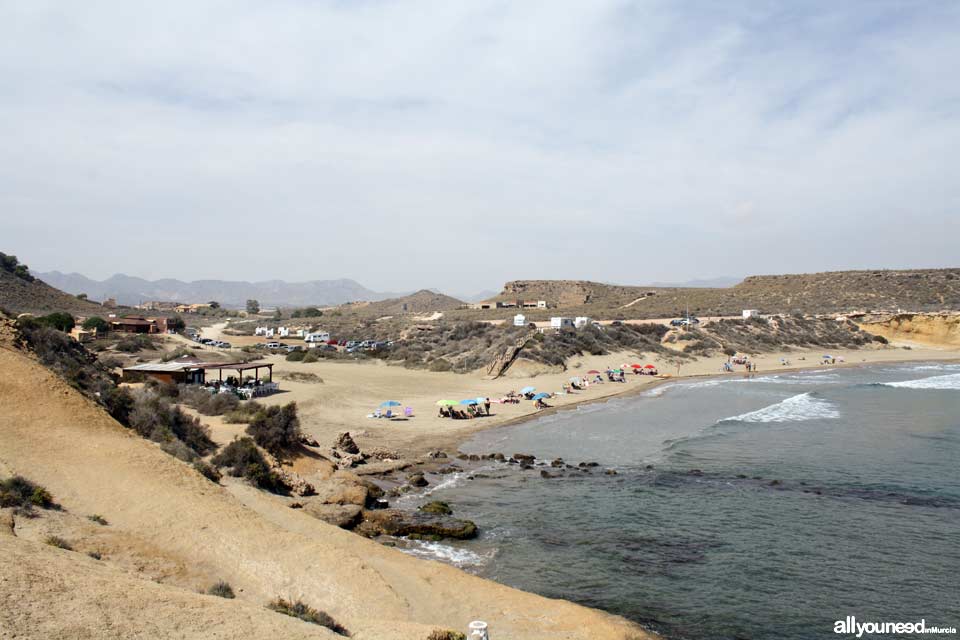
796 408
950 381
456 556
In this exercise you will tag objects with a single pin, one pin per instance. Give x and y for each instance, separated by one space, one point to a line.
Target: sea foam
950 381
796 408
456 556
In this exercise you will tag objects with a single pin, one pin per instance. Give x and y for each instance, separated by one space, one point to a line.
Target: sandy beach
347 392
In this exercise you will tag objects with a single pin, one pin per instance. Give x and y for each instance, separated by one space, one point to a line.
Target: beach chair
408 412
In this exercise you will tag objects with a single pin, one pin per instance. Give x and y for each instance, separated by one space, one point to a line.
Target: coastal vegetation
18 492
243 459
308 614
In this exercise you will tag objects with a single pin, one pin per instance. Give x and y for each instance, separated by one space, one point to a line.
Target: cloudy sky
461 144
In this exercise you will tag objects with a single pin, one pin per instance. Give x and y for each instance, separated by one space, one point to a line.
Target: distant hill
423 301
828 292
130 290
20 292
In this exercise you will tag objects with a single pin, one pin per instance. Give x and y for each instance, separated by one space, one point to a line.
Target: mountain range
129 290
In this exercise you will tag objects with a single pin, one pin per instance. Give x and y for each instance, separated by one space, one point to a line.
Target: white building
561 323
301 333
283 332
260 331
519 320
316 337
581 321
750 313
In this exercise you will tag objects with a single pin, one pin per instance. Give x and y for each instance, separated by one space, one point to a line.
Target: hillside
270 293
171 531
19 295
423 301
829 292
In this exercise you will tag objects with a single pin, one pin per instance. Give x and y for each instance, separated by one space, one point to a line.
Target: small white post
478 630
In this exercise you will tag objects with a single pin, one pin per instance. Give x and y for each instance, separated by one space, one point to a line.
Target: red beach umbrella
649 366
592 372
636 366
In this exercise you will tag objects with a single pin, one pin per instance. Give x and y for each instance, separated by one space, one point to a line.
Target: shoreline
660 381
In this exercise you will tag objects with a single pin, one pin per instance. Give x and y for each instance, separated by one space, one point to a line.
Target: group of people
468 413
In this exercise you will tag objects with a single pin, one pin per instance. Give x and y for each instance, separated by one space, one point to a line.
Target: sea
729 508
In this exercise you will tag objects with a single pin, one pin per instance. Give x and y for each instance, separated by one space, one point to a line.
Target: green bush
10 264
307 614
60 320
243 413
446 634
136 342
156 418
58 542
296 356
208 471
98 519
209 404
276 429
17 491
96 323
221 589
310 357
244 460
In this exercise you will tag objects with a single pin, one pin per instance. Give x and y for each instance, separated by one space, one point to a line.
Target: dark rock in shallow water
557 463
474 457
462 456
649 467
524 458
526 466
546 474
499 457
589 464
394 522
695 472
610 472
742 476
417 480
450 468
437 506
774 483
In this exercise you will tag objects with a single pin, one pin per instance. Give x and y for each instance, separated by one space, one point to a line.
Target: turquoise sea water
767 507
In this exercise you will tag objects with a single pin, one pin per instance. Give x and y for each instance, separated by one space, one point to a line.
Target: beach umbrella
527 390
540 396
617 371
390 403
636 366
469 401
446 403
481 400
593 372
575 379
649 366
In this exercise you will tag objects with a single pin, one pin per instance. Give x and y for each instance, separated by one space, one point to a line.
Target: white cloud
461 144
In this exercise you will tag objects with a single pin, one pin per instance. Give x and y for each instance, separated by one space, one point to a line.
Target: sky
458 145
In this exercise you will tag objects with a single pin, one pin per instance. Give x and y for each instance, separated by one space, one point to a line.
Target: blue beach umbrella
526 390
540 396
468 401
390 403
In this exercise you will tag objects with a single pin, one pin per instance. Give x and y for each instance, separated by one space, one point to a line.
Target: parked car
676 322
207 341
224 345
272 345
293 347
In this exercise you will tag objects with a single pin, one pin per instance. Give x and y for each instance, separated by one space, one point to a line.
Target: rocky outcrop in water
394 522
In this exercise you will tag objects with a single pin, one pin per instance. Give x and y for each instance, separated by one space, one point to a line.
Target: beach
350 391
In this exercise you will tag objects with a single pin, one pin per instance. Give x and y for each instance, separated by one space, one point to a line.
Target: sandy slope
91 464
